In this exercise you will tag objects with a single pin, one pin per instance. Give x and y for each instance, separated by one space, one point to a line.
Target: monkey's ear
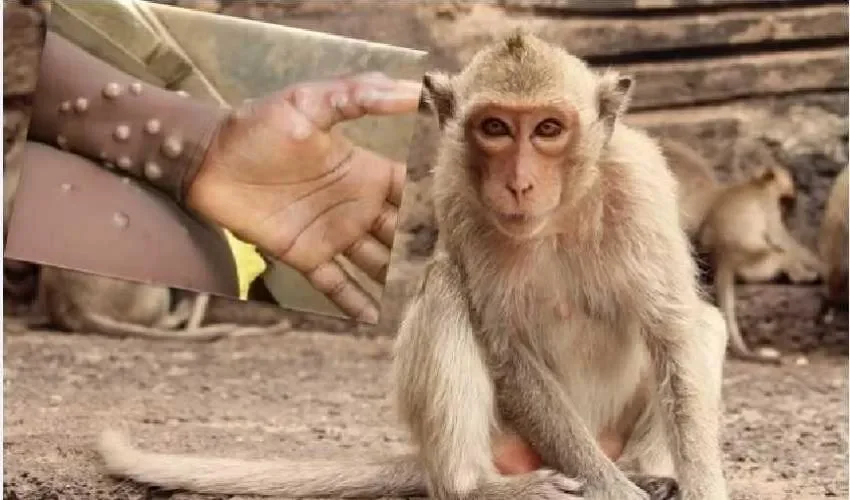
438 95
615 91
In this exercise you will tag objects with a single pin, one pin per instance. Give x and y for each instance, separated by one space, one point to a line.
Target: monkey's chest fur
600 359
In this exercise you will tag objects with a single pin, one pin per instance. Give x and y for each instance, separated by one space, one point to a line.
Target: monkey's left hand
279 177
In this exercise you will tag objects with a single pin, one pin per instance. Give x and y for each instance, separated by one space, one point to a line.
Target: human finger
370 255
327 103
399 175
385 225
331 279
398 97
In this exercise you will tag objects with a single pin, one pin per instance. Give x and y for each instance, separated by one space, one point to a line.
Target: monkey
832 246
81 302
745 234
699 189
561 305
698 185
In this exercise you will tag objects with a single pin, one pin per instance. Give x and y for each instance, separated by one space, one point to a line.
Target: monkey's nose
519 189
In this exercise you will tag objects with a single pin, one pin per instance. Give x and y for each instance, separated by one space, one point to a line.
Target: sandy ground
321 395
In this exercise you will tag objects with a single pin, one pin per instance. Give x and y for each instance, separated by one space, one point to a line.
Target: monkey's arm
685 351
780 238
91 109
532 400
440 374
686 342
446 396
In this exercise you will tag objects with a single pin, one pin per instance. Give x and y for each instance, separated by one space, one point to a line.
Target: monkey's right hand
280 177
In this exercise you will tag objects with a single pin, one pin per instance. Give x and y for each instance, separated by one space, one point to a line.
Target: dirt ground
322 395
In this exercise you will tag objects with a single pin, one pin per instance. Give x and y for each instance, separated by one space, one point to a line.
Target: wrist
201 184
131 127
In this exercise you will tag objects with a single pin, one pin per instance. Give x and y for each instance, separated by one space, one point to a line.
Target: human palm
280 177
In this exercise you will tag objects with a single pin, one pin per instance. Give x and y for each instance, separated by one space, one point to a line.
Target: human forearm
89 108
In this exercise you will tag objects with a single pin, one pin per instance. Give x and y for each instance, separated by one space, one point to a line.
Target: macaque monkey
747 237
89 303
698 185
833 244
560 309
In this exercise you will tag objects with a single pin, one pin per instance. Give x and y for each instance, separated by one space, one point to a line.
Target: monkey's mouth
518 225
515 218
787 203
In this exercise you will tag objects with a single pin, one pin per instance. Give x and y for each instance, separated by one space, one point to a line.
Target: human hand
278 176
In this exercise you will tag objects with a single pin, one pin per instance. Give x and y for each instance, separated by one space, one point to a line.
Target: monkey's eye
548 128
495 127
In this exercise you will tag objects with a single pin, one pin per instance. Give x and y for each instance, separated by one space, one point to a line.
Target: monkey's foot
551 485
658 487
804 276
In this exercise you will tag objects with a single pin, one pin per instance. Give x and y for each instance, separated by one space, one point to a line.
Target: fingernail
370 316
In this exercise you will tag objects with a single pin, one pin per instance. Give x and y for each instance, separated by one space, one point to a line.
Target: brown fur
550 323
747 237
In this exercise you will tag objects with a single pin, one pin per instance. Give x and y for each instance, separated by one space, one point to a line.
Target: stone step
597 6
671 83
595 37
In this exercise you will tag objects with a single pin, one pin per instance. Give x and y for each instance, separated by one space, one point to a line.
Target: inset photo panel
176 149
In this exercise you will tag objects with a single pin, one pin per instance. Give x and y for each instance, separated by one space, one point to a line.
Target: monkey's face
518 159
783 185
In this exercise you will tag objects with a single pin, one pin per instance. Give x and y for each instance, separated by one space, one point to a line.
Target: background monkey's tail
116 328
395 476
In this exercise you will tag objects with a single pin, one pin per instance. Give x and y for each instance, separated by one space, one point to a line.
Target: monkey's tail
114 328
725 289
396 476
725 285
